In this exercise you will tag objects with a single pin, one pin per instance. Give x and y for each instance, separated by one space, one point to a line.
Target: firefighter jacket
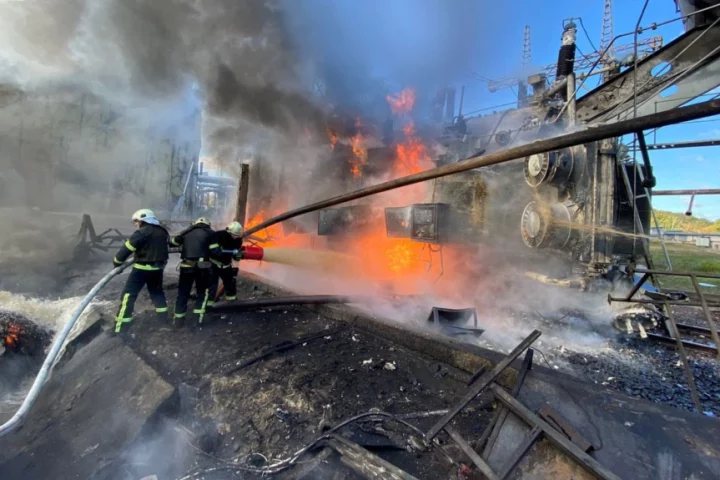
222 240
149 244
195 242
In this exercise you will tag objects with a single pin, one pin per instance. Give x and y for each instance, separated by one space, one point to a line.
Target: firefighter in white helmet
227 245
149 245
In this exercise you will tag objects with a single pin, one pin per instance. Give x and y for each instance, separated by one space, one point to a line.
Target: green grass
687 258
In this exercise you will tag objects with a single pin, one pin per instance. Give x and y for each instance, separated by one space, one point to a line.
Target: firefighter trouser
189 276
140 276
228 275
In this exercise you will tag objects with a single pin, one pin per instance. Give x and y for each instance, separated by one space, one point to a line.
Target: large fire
403 102
269 236
412 156
395 262
359 158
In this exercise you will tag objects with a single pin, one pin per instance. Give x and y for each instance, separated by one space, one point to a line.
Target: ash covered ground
588 348
639 368
270 409
279 404
578 336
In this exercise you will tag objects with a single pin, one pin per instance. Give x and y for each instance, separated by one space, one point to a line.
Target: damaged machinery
581 212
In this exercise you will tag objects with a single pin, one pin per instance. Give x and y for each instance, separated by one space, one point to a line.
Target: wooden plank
468 450
482 383
365 463
556 437
563 426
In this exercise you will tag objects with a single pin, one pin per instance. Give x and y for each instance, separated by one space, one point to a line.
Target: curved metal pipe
293 300
42 376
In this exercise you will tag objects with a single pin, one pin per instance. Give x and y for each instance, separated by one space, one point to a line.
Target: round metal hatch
546 226
549 168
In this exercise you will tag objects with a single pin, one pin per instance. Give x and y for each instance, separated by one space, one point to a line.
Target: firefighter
195 268
149 245
228 242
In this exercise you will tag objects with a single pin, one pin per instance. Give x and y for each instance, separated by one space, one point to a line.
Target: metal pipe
635 57
679 303
557 87
689 210
686 343
678 274
293 300
708 315
637 286
707 191
698 143
42 376
683 356
591 134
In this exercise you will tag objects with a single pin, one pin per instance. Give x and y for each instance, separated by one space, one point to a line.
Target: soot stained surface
276 406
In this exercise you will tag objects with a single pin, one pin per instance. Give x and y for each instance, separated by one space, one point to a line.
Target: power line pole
607 33
527 53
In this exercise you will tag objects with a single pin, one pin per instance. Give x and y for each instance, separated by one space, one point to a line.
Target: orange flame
402 256
333 138
270 235
412 156
12 335
398 262
403 102
359 159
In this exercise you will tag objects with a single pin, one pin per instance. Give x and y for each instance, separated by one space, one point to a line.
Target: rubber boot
124 327
178 322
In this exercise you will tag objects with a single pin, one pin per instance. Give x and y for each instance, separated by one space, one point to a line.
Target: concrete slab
92 407
633 438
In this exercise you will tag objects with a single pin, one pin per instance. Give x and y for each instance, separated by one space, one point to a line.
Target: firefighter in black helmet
195 268
229 242
149 245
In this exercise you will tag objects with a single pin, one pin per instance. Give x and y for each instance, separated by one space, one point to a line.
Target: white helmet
235 229
202 220
143 215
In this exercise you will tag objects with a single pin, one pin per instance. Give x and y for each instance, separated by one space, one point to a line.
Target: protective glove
116 263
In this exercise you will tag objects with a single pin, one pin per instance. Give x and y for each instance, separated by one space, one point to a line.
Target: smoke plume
255 62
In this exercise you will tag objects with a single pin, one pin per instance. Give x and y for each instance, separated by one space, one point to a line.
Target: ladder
638 223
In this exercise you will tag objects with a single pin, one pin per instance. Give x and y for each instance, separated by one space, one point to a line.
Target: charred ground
274 407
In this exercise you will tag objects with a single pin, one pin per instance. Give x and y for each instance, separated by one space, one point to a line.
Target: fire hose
293 300
589 134
18 419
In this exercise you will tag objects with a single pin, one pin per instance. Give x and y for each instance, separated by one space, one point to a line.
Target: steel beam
614 97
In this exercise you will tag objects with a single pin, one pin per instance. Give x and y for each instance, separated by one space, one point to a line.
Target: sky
690 168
